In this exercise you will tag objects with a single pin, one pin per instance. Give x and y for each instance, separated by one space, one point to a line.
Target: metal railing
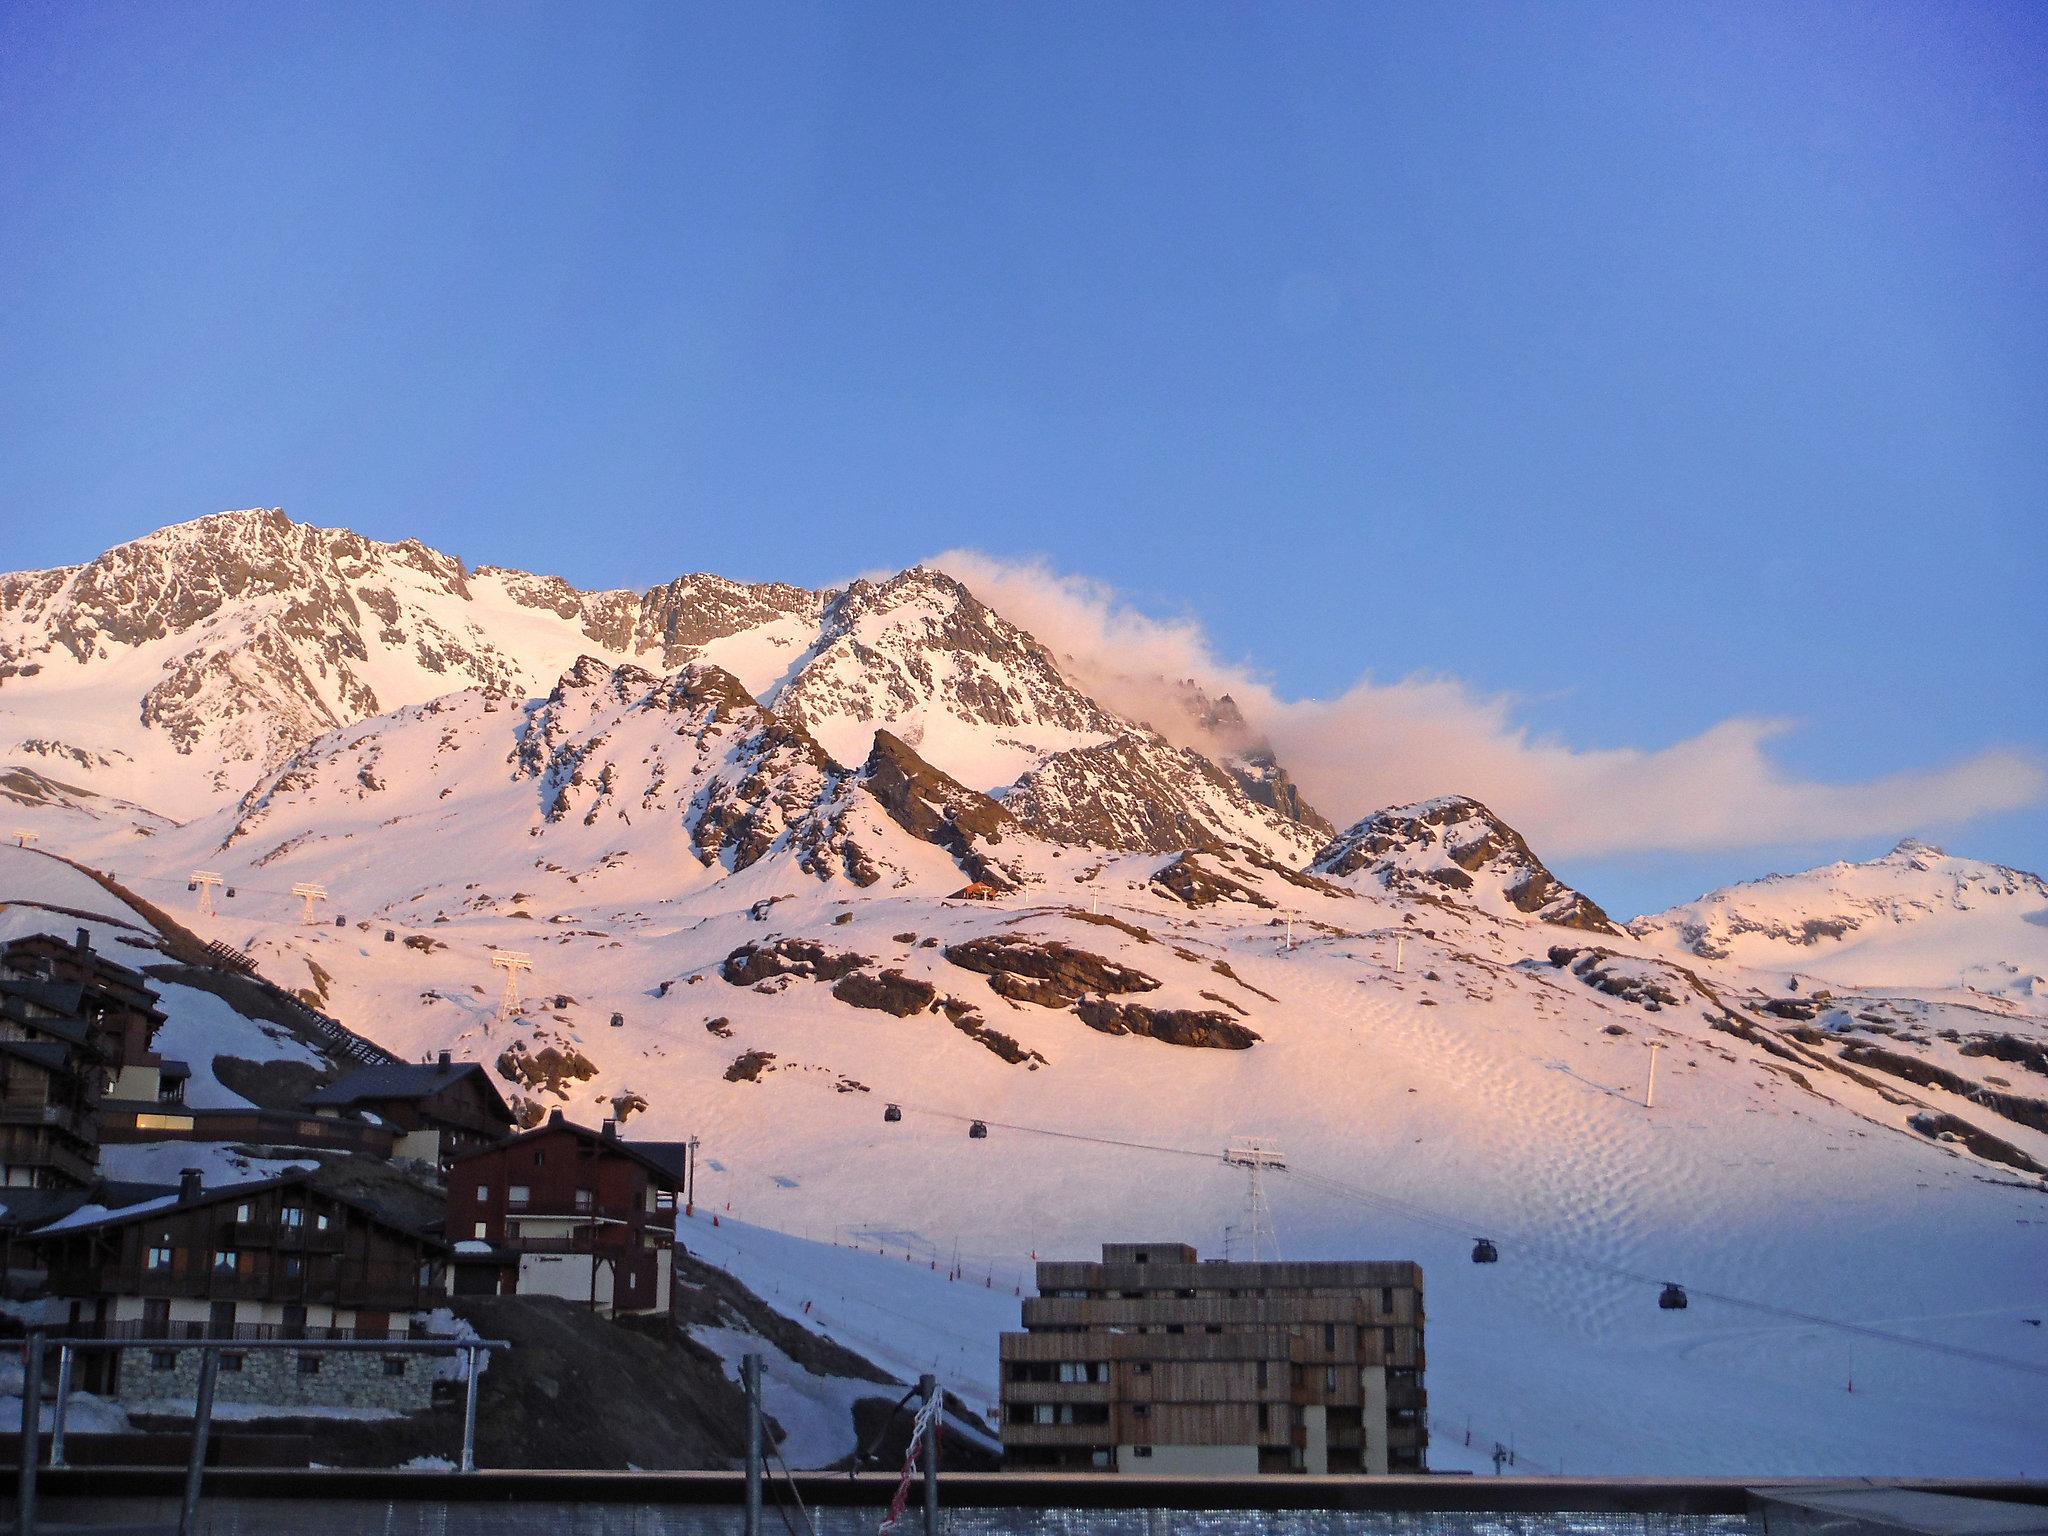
36 1343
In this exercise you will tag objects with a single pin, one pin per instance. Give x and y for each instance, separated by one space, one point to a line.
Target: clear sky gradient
1654 363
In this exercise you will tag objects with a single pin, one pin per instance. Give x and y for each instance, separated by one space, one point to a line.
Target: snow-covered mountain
779 858
1453 848
1915 918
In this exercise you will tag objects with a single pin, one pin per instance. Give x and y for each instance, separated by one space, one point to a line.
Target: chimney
447 1059
611 1130
84 943
554 1117
191 1183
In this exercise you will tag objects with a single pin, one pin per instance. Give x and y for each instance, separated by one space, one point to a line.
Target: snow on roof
92 1214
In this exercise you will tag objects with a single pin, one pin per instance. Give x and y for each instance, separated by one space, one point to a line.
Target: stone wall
343 1379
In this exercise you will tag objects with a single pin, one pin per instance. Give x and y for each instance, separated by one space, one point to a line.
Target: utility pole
750 1378
1400 950
511 962
204 880
308 893
1650 1098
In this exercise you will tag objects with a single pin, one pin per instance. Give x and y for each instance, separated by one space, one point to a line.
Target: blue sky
1653 365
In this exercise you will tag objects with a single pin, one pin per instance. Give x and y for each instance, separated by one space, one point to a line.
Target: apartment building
441 1110
1154 1361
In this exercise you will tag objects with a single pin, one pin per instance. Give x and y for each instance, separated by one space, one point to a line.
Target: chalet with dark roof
442 1110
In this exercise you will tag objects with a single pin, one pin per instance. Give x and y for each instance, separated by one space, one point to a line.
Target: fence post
929 1386
31 1429
469 1412
64 1357
750 1378
202 1421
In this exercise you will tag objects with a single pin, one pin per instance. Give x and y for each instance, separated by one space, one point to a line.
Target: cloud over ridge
1379 744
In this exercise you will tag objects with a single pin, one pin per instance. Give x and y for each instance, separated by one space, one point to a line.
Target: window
539 1158
294 1266
632 1282
1213 1328
1265 1418
1144 1257
225 1261
1262 1375
159 1259
518 1195
309 1365
1141 1410
320 1222
394 1365
230 1362
1329 1335
480 1229
163 1359
582 1199
1386 1299
483 1193
293 1217
1144 1367
1141 1450
244 1211
1329 1378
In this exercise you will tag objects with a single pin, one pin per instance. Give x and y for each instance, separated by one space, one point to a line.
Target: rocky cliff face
1454 848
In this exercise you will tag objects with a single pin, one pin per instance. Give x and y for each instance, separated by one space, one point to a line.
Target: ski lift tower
308 894
204 880
511 962
1255 1154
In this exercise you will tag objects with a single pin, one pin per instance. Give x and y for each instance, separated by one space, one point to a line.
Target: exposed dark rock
930 805
752 963
967 1019
890 992
1190 880
547 1070
721 1027
1013 962
1173 1026
1442 845
748 1066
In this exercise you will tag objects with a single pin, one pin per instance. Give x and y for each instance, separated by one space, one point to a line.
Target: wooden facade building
1153 1361
440 1110
566 1211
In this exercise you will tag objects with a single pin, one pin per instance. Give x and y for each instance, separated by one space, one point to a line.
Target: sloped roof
639 1151
95 1215
399 1080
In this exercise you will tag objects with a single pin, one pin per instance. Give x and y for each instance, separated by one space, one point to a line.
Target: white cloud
1380 744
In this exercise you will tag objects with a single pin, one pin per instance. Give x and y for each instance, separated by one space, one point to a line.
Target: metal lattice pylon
309 893
205 880
511 962
1255 1154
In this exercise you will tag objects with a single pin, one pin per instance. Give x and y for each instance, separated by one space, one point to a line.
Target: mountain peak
1453 847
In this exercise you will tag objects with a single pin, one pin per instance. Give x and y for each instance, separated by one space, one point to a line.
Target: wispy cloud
1380 744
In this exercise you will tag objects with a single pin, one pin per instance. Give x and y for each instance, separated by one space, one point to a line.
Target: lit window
159 1258
244 1211
294 1218
480 1230
518 1194
225 1261
582 1199
320 1222
483 1193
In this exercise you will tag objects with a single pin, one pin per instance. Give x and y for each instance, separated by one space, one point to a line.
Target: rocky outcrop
891 992
1044 971
1172 1026
1190 880
551 1069
938 809
752 963
1455 848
